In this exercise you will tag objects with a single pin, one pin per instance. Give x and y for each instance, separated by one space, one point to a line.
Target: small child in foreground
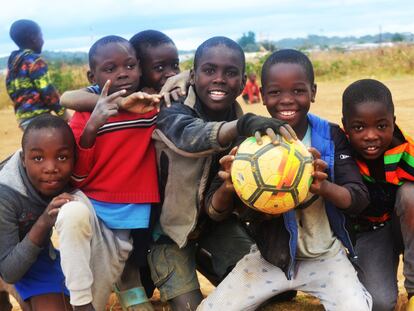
32 190
385 156
306 248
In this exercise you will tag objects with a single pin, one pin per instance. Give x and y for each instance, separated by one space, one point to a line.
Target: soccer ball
272 179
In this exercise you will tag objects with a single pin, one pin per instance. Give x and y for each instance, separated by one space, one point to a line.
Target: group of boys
120 139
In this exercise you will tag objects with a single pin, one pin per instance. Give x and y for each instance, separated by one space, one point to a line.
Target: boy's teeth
217 93
287 113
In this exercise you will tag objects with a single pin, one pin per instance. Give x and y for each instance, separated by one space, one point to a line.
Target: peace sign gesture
105 108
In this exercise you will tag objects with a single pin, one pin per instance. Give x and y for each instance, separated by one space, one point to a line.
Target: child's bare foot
87 307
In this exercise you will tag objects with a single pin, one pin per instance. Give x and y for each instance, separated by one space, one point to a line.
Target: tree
248 42
397 37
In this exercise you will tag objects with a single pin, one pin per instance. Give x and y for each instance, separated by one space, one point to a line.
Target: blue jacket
321 139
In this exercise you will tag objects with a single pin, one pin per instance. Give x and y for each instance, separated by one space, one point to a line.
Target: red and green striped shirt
399 168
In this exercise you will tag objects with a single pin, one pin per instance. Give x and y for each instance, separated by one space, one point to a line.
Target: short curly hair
366 90
149 38
289 56
219 40
102 42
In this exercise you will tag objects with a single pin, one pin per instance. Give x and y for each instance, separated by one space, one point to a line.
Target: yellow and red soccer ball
272 179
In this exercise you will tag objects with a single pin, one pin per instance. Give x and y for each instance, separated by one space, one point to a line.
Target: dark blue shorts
45 276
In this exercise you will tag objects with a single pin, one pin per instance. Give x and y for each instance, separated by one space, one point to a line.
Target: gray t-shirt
315 236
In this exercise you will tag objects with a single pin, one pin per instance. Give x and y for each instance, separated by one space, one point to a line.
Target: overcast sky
76 24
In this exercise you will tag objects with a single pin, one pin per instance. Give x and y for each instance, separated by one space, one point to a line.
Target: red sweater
121 166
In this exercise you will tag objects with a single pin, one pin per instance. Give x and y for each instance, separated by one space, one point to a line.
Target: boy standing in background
27 81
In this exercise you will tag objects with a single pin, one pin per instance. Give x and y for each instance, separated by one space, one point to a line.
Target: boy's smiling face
370 127
48 156
288 94
218 78
116 62
158 64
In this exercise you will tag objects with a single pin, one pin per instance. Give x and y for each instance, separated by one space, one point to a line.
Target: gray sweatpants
378 253
92 255
254 280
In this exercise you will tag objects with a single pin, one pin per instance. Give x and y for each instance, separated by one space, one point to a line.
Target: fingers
233 151
226 162
318 176
115 95
320 165
315 152
273 136
167 99
224 175
105 88
258 137
291 131
286 134
53 212
58 202
175 95
66 195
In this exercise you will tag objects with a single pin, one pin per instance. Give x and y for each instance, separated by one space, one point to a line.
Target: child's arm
39 233
175 87
220 203
83 100
338 195
16 257
347 177
192 134
221 199
79 100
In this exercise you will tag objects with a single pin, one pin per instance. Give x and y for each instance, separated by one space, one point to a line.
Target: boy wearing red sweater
116 169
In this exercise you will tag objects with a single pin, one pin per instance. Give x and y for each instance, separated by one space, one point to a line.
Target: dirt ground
328 105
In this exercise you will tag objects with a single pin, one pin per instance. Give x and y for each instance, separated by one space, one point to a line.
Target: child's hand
175 87
140 102
319 174
251 124
225 172
52 210
106 107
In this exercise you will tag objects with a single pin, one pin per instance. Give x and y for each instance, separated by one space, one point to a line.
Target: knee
404 199
384 302
355 300
405 203
358 305
73 215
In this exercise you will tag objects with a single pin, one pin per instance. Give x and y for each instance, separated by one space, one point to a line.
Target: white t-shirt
315 236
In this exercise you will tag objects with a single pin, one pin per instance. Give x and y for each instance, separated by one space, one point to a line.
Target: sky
74 25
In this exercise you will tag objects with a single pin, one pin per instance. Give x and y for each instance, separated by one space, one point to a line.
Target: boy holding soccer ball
306 248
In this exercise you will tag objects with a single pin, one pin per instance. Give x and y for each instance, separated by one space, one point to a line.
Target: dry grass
327 105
